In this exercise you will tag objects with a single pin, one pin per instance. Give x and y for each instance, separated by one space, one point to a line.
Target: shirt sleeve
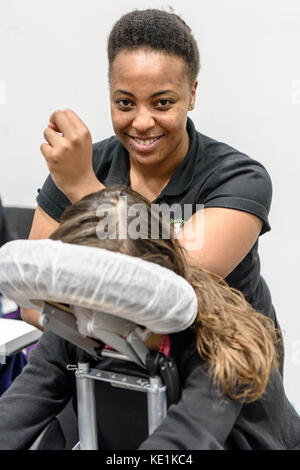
202 420
52 200
244 185
38 394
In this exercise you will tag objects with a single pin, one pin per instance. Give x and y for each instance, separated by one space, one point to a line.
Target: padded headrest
97 279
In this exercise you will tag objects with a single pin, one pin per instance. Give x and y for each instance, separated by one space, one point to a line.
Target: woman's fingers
47 151
52 137
73 118
77 122
63 123
53 126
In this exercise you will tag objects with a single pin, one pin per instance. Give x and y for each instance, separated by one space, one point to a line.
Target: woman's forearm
31 316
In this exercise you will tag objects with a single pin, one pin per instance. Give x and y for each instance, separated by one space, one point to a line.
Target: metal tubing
157 404
87 421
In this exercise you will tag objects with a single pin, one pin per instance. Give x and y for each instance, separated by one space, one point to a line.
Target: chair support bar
156 400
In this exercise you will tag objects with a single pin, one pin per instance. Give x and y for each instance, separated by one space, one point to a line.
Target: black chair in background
18 222
5 236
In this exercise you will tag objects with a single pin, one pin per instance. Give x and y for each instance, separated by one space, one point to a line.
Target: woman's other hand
68 154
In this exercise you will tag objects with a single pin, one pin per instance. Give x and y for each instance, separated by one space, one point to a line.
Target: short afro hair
157 30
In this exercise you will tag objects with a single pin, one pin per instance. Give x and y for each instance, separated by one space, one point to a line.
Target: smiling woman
158 152
150 99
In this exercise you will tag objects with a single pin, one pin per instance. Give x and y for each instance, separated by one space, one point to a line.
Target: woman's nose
143 121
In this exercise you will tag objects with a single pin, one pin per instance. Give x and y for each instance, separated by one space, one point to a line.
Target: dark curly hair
158 30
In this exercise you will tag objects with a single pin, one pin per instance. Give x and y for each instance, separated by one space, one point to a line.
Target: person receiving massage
232 392
158 152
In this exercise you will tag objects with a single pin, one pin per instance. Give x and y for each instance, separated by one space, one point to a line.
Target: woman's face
150 96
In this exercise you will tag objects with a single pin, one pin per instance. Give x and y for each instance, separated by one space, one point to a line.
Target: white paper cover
97 279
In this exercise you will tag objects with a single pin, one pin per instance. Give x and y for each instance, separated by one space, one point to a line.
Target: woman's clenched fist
68 153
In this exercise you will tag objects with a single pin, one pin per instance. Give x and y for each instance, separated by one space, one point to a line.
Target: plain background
53 56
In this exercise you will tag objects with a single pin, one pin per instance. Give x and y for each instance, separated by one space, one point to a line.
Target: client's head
119 219
237 343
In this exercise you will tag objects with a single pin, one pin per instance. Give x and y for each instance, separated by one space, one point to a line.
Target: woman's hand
68 154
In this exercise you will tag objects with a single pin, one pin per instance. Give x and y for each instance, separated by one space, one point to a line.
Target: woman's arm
68 153
202 420
218 239
42 225
37 395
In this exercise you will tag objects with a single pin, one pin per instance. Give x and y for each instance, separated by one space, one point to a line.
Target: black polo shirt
213 174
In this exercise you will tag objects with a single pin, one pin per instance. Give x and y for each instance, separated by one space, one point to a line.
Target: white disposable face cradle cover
98 280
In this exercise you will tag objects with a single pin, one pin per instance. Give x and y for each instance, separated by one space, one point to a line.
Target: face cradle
150 96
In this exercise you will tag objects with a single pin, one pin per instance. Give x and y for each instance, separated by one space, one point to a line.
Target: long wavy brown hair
237 342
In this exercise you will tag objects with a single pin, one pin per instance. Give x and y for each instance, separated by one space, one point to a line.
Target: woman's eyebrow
124 93
152 96
163 92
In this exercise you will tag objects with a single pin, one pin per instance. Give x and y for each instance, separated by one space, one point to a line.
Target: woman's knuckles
81 137
76 140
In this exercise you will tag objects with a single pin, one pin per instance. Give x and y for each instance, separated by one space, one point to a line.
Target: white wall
53 55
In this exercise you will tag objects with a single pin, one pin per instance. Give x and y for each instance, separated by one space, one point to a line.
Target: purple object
16 315
30 348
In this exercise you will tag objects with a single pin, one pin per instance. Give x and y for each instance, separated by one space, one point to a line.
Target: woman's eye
164 103
125 103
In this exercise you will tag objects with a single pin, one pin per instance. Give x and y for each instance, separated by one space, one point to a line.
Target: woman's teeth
146 142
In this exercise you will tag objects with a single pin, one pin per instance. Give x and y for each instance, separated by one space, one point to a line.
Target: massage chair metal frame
58 319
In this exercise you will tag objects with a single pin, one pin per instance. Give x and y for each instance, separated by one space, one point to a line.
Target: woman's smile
145 145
